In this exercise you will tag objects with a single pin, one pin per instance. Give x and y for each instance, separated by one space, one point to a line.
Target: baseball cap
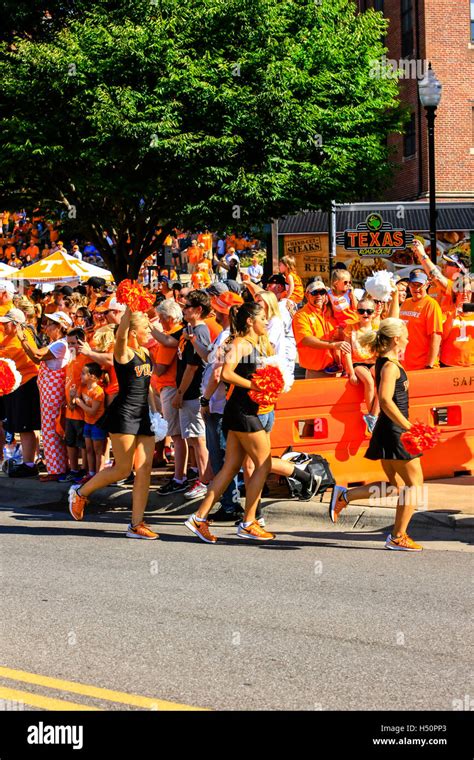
277 279
95 282
111 304
65 290
163 278
7 286
455 259
14 315
61 318
315 285
419 277
234 286
217 288
225 301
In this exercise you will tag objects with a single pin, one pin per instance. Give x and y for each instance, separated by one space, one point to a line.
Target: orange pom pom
133 295
270 383
420 438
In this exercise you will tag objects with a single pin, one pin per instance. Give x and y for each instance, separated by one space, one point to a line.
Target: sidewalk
450 505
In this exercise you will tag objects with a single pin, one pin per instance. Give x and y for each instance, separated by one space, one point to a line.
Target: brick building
440 31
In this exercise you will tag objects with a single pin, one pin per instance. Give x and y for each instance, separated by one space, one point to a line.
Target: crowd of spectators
62 344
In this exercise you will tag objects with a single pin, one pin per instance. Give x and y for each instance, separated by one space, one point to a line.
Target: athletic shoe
333 369
127 481
192 474
201 529
172 486
76 503
402 544
308 490
23 471
70 477
255 532
142 530
199 489
83 480
370 420
337 503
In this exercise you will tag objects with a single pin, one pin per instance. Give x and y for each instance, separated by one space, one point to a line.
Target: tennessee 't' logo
143 370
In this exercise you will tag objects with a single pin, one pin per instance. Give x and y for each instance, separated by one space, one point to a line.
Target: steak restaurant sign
374 237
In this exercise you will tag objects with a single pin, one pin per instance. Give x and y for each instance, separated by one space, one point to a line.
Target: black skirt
116 419
22 408
385 442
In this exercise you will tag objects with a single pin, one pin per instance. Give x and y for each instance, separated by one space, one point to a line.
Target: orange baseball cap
225 301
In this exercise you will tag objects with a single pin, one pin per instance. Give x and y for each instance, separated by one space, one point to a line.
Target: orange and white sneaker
402 543
142 530
337 503
76 502
255 532
201 529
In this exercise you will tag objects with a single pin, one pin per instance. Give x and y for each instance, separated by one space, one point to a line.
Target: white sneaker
199 489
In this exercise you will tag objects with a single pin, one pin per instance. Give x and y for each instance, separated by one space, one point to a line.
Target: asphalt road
315 621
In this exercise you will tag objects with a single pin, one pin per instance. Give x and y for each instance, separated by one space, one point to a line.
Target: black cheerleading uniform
129 412
385 441
240 412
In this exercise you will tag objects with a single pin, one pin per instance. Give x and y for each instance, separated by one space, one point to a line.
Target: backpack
317 465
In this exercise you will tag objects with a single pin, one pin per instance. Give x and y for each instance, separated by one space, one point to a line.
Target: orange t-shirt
194 254
11 348
310 321
344 314
457 343
443 296
214 327
298 291
422 318
10 251
359 354
93 394
200 280
163 355
73 381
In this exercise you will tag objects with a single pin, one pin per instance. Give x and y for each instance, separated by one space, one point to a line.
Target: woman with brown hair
127 420
52 360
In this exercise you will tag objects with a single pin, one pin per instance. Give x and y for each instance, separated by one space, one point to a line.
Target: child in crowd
295 289
360 362
92 403
344 305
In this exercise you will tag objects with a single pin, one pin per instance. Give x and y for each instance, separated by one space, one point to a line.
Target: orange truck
324 416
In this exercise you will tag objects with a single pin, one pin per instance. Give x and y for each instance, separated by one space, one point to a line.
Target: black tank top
133 381
240 396
400 394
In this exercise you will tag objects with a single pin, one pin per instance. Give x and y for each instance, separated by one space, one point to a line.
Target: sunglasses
377 302
365 311
320 292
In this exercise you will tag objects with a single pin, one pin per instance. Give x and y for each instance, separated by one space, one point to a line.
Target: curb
52 497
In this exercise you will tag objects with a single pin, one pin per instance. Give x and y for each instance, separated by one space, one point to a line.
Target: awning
412 216
59 267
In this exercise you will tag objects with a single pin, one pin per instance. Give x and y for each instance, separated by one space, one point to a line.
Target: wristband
204 401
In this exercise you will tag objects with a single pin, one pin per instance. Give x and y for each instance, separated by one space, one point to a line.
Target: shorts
267 420
362 364
190 420
170 414
94 432
75 434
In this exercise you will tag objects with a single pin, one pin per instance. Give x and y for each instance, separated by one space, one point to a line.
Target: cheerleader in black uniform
127 420
389 342
245 433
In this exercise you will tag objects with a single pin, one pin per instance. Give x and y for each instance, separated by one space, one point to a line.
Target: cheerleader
388 342
127 420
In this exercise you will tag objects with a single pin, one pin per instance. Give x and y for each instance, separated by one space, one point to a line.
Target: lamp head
429 89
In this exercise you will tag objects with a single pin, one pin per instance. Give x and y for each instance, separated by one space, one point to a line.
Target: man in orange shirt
22 406
32 250
10 251
313 328
194 254
424 320
441 288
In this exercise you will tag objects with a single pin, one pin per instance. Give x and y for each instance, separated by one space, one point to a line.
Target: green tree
149 114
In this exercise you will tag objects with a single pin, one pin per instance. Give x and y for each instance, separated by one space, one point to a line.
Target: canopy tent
59 267
5 270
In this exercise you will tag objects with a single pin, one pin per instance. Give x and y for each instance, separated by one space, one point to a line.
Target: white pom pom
158 425
276 362
380 286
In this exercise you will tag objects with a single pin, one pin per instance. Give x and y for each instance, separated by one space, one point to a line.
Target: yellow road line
87 690
38 700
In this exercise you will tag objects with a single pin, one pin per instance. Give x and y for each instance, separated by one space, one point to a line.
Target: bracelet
204 401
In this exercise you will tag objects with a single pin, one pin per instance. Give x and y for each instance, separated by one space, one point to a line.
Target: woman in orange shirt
457 342
295 290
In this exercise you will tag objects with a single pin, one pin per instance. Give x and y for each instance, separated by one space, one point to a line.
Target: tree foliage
146 114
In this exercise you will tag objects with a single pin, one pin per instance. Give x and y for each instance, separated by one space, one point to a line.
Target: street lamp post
429 89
